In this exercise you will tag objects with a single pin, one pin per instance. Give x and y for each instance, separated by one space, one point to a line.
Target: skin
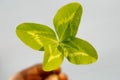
36 73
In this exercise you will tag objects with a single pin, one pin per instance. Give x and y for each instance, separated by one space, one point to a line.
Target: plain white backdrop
100 25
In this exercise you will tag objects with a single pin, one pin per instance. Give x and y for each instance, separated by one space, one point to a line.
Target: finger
62 76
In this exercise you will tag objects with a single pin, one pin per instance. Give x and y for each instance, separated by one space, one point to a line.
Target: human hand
36 73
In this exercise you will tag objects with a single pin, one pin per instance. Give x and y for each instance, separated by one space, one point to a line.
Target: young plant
42 38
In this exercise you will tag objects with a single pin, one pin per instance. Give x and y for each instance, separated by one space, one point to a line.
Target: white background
99 25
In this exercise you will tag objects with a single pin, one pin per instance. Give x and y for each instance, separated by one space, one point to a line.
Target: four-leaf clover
41 37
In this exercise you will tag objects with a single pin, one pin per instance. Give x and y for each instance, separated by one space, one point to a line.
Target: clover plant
42 38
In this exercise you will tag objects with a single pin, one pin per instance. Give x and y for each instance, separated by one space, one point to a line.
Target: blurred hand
36 73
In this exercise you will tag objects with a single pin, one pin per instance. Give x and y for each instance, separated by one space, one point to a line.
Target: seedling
43 38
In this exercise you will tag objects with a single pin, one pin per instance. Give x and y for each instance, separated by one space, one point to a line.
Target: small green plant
42 38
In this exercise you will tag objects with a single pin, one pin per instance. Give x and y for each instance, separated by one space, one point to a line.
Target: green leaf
41 37
79 51
53 56
67 19
35 35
